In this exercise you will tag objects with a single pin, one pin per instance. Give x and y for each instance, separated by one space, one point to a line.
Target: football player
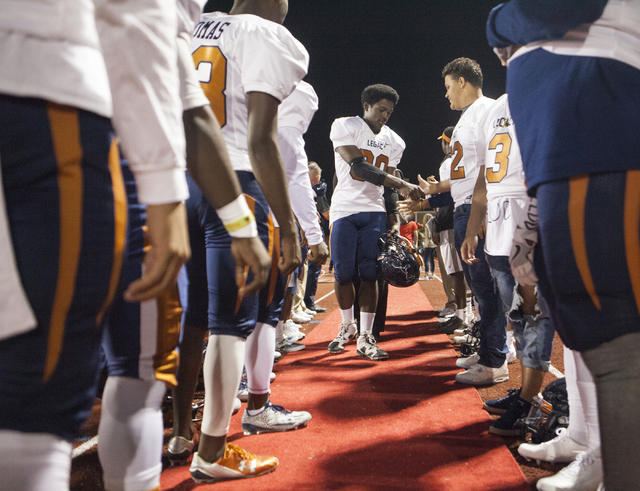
463 83
367 152
500 198
235 54
573 81
66 206
140 339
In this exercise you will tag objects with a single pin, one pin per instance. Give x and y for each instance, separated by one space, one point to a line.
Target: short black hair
448 131
466 68
377 92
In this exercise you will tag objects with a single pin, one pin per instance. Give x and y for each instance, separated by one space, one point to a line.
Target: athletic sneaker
451 325
346 334
368 348
502 405
273 418
300 317
583 474
286 346
483 375
310 312
462 331
468 362
445 312
291 331
243 390
507 424
276 355
561 449
236 463
317 309
180 448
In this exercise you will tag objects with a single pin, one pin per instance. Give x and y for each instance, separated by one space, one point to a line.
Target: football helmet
549 412
398 262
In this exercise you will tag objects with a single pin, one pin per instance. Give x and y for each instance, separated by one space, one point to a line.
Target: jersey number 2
212 73
457 171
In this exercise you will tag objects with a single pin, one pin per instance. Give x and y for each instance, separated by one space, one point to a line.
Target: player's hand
505 53
432 180
303 239
169 250
436 239
318 253
468 250
428 186
249 253
408 206
412 191
291 256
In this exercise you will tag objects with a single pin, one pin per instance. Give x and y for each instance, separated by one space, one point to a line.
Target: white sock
258 358
347 315
34 461
589 399
460 314
222 372
279 332
577 423
366 321
130 434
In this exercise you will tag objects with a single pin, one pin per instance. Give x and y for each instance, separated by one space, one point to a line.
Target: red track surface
391 447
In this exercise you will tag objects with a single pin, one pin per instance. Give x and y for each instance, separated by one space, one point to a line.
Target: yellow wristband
238 224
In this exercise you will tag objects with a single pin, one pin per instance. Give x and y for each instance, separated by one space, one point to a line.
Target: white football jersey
468 150
238 54
294 116
504 177
445 169
504 174
384 150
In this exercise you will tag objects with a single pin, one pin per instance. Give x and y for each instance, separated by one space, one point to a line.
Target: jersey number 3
382 162
502 157
211 66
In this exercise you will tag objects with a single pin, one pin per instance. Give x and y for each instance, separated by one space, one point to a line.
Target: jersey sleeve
145 87
274 61
344 131
298 109
520 22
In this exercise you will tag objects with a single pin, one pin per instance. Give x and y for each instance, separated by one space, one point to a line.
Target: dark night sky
402 43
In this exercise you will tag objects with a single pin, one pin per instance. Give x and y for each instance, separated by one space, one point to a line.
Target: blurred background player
578 74
61 170
367 152
140 338
294 117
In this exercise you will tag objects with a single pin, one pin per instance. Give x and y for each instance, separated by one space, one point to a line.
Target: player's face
446 148
376 115
454 92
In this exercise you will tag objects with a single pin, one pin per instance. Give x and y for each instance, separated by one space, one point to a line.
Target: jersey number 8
211 66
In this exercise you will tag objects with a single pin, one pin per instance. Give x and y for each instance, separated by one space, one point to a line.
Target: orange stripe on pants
578 186
632 232
65 133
